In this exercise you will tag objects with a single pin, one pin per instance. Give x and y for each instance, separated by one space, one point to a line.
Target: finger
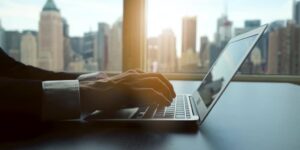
127 76
139 71
131 71
134 71
148 96
163 79
155 83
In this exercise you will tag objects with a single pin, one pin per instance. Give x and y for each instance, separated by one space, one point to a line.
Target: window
68 35
181 38
186 36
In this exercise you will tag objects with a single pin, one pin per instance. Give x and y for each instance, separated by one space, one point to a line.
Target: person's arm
44 95
20 100
54 96
36 100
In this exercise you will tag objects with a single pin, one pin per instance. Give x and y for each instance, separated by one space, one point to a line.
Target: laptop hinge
194 109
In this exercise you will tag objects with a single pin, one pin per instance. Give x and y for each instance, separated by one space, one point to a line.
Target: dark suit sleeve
21 91
20 99
13 69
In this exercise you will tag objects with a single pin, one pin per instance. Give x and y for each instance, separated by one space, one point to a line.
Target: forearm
35 100
42 100
20 99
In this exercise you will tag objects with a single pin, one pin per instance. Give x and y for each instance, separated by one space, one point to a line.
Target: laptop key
180 116
150 111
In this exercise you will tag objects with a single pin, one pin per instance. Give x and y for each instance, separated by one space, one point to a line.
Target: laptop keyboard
179 109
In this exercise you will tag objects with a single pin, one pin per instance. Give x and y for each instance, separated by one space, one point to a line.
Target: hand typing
130 89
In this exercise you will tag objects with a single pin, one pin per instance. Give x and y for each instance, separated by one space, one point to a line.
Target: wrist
84 97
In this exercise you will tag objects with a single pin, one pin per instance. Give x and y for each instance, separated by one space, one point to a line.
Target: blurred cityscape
278 51
52 48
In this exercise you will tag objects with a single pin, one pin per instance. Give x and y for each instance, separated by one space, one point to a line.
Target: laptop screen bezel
202 110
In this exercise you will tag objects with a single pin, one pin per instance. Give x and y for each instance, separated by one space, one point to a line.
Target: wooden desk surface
248 116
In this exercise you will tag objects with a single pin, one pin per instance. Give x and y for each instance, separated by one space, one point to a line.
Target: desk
249 116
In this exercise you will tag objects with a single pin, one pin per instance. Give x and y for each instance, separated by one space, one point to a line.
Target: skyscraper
252 23
89 45
2 36
29 48
68 52
284 50
224 31
189 31
51 54
152 54
167 51
222 36
204 53
102 45
114 62
296 13
12 42
89 51
248 25
77 44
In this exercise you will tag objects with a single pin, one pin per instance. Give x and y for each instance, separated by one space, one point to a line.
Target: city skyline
101 49
12 12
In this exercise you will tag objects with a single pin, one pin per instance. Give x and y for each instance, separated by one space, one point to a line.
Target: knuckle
132 75
155 79
131 71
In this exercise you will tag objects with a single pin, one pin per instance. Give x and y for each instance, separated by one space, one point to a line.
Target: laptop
192 108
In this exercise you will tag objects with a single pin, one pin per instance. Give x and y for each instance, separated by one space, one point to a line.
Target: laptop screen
224 69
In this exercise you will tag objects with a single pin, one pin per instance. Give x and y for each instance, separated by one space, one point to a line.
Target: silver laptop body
193 108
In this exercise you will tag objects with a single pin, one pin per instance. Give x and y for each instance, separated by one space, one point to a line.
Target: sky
83 15
170 13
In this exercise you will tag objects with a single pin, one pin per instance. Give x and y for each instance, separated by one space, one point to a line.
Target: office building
77 44
152 54
224 31
167 51
114 62
248 26
222 36
102 45
189 62
89 51
252 23
204 53
214 53
189 32
296 12
29 48
89 45
68 52
51 50
77 63
263 43
12 42
2 37
284 50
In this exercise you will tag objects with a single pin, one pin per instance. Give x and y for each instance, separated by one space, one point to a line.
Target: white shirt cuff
61 100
